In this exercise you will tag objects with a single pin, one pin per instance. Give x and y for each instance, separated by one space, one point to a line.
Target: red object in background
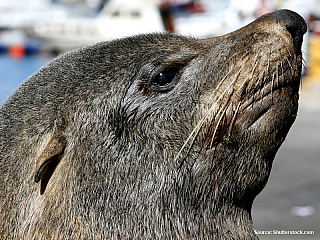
17 51
195 8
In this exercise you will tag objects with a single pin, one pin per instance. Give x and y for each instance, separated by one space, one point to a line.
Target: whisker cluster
229 101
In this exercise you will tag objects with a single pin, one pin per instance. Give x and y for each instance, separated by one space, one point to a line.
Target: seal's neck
234 223
229 223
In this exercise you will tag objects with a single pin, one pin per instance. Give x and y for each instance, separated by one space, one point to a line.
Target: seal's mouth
259 105
264 100
267 105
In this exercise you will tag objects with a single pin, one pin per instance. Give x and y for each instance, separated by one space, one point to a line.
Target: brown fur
95 146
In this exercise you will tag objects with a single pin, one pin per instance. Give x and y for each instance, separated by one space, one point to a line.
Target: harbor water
13 71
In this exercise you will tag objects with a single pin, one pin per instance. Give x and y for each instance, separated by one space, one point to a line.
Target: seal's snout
295 24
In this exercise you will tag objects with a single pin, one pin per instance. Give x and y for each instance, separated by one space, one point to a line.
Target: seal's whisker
222 112
224 107
222 81
233 120
267 70
292 70
226 62
251 78
272 86
292 58
288 51
228 73
304 63
261 81
282 82
255 65
230 59
282 68
197 128
241 89
277 72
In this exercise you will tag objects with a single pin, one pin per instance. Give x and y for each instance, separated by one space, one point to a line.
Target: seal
155 136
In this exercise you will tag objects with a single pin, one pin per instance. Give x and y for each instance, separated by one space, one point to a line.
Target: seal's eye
165 77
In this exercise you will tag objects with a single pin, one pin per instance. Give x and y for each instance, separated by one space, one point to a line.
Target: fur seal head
155 136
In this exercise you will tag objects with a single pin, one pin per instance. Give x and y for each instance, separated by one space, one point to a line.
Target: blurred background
32 32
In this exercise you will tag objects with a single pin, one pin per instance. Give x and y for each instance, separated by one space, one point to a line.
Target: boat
117 19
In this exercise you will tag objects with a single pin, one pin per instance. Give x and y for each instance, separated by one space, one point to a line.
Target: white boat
118 18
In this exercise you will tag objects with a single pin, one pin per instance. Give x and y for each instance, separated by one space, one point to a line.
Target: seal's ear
49 159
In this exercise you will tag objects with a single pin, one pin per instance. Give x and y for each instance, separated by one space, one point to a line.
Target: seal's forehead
155 43
142 49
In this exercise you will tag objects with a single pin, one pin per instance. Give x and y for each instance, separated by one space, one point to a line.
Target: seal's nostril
295 24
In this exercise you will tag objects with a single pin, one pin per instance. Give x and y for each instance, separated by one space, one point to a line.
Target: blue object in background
13 71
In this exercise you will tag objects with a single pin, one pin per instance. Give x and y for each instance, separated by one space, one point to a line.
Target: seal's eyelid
161 76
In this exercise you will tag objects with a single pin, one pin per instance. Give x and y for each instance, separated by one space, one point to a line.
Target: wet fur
116 159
